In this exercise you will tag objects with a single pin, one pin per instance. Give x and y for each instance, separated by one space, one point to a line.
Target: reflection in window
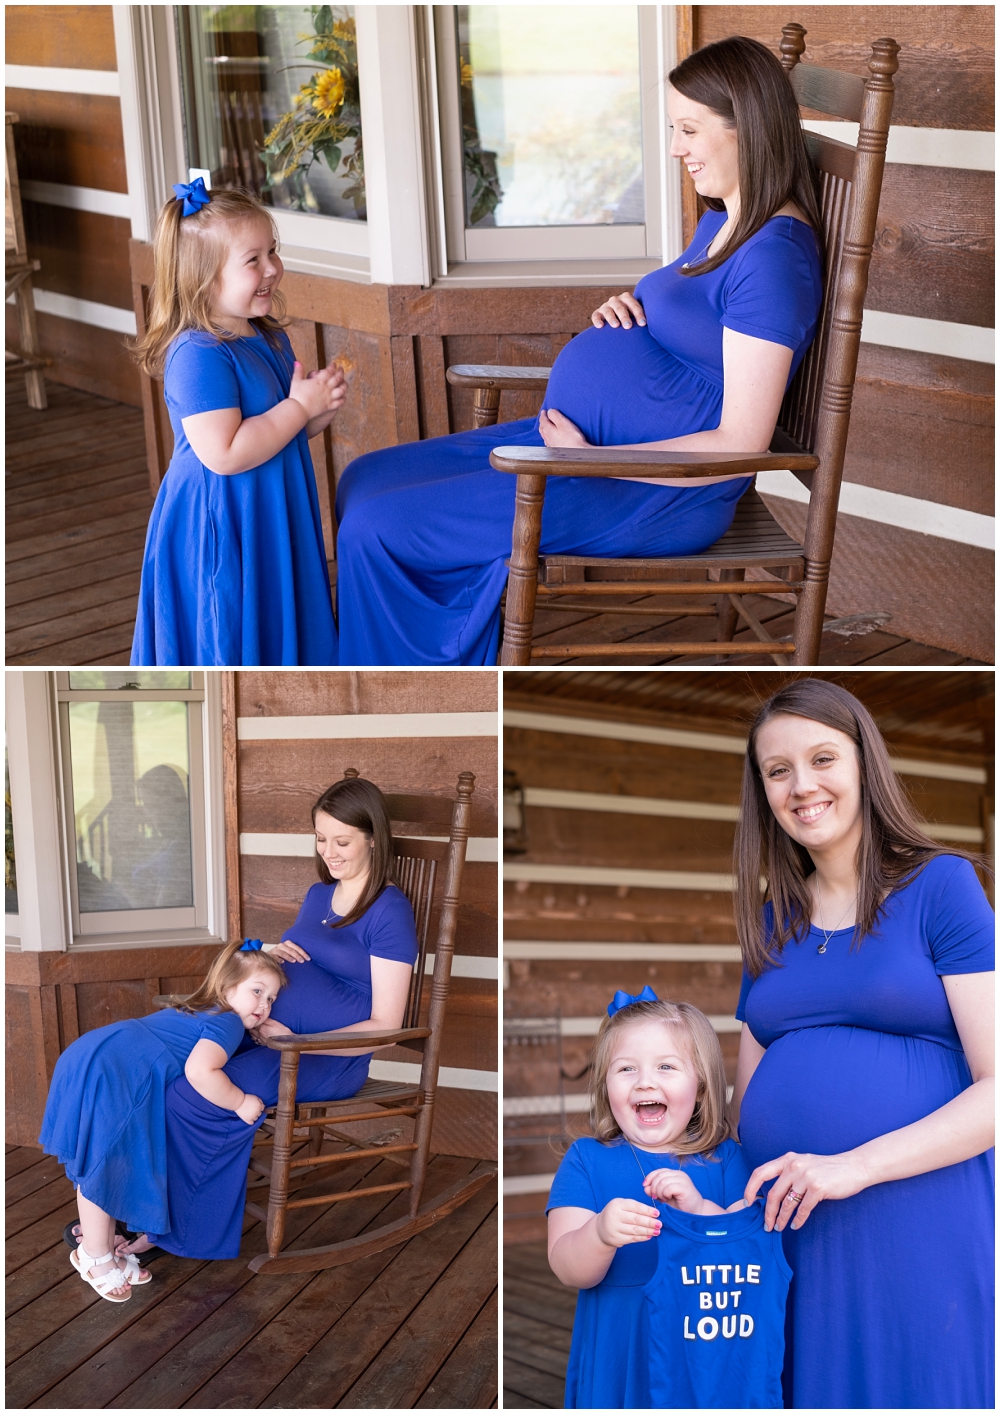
9 871
101 679
551 119
130 765
271 102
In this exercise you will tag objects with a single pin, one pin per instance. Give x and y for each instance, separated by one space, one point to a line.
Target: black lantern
515 832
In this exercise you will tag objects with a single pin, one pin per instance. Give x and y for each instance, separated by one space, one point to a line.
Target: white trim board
527 1026
103 203
594 877
527 1183
933 336
518 1106
922 147
103 83
537 796
450 1076
84 311
523 950
368 726
889 508
666 736
481 849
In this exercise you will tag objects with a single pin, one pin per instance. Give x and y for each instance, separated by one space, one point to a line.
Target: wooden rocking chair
809 440
420 879
18 271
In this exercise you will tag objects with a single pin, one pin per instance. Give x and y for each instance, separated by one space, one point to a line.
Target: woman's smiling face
652 1084
812 779
706 145
345 850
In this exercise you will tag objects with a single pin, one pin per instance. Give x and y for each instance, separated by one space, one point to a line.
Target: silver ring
794 1197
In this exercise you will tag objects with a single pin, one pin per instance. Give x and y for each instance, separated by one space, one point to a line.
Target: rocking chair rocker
809 440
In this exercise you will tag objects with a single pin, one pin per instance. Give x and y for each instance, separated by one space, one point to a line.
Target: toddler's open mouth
649 1111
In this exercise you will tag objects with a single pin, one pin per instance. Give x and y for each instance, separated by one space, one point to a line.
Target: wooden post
230 797
522 583
486 407
284 1125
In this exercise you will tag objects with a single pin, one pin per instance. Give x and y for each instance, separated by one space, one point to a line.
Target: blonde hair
709 1125
229 969
188 255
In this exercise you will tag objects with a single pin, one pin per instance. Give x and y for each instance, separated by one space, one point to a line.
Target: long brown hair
893 843
188 255
744 84
228 970
709 1125
360 803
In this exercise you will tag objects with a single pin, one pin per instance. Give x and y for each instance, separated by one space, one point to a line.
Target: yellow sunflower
328 94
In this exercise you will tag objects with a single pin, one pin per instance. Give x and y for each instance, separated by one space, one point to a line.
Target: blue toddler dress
609 1360
208 1153
234 571
717 1312
105 1117
425 528
891 1305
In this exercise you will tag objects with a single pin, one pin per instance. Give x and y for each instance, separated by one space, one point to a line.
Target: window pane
9 872
270 95
130 771
551 115
98 680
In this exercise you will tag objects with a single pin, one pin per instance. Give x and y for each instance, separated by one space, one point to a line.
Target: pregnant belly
316 1000
826 1089
620 385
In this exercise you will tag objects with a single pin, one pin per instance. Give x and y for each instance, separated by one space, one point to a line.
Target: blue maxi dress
208 1149
891 1304
105 1116
234 571
609 1359
425 528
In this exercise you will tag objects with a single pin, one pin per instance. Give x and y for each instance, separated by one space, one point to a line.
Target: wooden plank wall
277 782
74 140
922 423
582 912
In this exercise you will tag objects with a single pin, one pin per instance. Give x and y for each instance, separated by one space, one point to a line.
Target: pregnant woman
697 359
348 957
864 1085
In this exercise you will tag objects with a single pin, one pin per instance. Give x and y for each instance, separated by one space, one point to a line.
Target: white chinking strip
590 1025
690 810
519 1106
103 203
450 1077
888 508
525 950
100 83
481 849
368 726
629 878
527 1183
84 311
922 147
933 336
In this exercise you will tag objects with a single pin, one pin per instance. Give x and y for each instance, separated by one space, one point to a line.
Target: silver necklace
827 933
635 1155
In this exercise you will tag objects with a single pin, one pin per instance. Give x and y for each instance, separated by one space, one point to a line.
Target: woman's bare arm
749 1058
390 988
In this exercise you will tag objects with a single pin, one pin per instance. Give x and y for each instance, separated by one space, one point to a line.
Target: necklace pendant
821 948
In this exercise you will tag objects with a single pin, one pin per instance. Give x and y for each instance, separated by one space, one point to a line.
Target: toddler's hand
624 1221
673 1187
251 1109
323 391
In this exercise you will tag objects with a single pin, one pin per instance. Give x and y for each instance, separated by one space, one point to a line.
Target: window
554 111
136 818
271 101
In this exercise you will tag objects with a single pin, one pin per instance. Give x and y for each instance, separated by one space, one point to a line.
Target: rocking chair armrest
625 461
490 375
345 1040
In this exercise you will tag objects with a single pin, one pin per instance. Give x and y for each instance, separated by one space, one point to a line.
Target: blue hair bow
621 999
255 945
193 194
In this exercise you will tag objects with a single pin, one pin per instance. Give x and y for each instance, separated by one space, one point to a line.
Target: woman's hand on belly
619 311
808 1178
289 952
557 431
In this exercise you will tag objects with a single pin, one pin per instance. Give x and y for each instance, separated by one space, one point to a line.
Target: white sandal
137 1276
106 1282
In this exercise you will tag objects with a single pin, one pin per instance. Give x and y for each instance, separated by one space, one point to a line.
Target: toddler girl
235 569
105 1118
658 1109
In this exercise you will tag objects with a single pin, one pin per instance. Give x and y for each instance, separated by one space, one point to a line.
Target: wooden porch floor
537 1327
78 502
411 1328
